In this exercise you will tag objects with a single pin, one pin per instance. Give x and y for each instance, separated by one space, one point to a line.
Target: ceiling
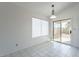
44 8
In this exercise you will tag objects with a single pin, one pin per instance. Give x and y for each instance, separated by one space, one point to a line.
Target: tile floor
47 49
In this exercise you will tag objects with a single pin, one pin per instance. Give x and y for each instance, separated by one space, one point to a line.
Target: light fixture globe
52 16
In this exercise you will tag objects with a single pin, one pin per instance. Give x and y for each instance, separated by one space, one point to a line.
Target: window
39 27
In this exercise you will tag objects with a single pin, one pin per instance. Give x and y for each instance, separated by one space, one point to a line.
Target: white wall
72 12
16 28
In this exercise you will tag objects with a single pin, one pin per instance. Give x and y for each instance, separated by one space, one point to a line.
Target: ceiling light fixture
52 16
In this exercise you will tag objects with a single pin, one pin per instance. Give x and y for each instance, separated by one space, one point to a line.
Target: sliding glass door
62 31
66 31
57 31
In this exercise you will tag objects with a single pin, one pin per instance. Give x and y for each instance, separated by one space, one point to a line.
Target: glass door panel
57 31
66 31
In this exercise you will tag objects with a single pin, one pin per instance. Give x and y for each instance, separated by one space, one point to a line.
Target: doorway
62 31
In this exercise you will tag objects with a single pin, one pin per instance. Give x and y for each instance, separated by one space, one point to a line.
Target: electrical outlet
16 44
